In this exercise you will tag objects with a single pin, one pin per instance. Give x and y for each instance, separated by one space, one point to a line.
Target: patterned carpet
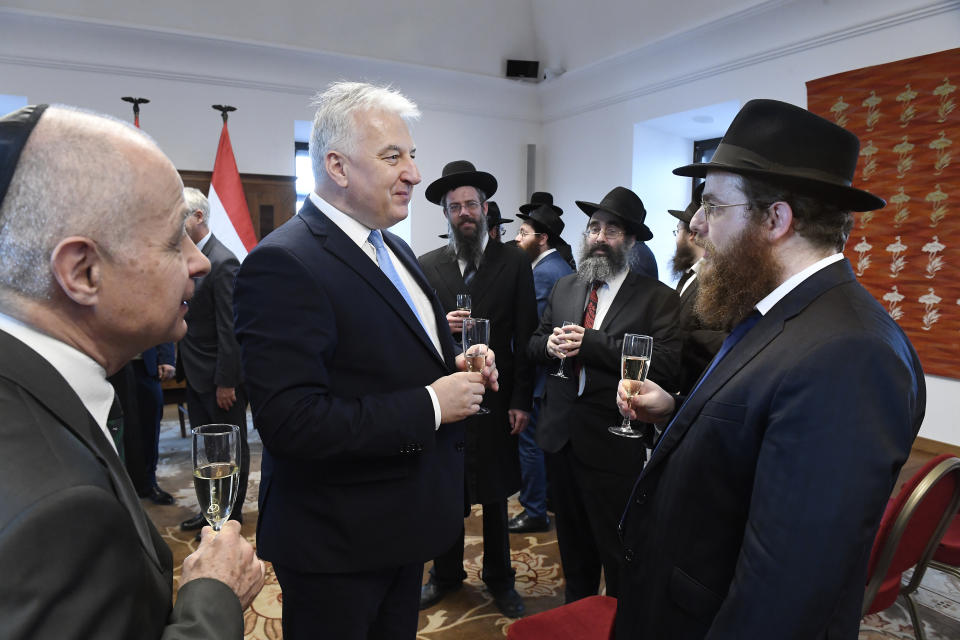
469 614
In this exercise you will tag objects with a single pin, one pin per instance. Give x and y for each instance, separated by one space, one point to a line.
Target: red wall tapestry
907 254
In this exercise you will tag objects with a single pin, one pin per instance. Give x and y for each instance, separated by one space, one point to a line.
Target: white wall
591 114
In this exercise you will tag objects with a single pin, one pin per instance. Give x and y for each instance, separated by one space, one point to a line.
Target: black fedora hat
773 139
493 215
460 173
544 220
686 215
627 206
540 198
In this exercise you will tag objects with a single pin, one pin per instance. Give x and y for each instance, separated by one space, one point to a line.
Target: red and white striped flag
229 214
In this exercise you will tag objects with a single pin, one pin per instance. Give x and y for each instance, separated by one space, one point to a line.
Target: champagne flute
476 337
634 364
563 358
216 470
464 303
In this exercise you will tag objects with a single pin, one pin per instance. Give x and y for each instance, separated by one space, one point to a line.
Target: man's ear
335 164
778 221
77 267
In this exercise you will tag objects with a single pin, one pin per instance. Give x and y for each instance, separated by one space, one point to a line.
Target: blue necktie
738 332
386 265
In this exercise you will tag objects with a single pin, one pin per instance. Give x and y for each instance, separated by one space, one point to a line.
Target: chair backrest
913 524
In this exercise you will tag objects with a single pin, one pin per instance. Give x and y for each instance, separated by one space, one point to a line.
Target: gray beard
599 267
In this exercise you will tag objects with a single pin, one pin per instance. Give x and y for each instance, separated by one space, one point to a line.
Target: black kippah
15 129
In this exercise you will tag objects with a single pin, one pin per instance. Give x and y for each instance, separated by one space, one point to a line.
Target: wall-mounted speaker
523 69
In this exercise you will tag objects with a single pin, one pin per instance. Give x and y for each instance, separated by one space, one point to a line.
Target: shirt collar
793 282
356 231
204 240
542 256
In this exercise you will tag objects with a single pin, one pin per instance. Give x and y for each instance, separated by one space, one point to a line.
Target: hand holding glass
476 337
634 365
563 356
216 470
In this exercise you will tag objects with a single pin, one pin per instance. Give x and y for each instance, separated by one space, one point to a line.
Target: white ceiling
461 35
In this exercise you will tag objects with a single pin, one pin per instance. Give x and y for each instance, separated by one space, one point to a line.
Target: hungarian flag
229 215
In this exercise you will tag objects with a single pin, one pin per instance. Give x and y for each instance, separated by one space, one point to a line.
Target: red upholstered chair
947 556
587 619
910 531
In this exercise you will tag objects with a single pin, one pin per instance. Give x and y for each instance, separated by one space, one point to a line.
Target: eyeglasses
524 234
611 233
471 205
710 209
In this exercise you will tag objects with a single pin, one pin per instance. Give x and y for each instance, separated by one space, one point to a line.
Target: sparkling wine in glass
216 470
476 337
563 358
464 303
634 365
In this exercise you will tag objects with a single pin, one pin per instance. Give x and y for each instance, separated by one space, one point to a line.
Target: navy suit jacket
545 276
355 477
755 515
155 356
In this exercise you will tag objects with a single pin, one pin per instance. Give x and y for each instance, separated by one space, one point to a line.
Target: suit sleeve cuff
436 407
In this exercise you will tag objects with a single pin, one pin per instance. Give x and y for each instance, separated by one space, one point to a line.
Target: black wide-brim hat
539 198
544 220
493 215
781 141
687 214
627 206
460 173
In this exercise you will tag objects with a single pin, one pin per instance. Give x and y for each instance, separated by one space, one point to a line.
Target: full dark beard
734 281
594 266
682 260
468 246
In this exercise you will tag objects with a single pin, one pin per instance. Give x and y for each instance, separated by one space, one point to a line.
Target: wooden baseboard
935 447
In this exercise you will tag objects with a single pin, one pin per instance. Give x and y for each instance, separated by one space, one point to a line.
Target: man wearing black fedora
539 236
495 221
500 283
700 342
590 470
538 199
755 516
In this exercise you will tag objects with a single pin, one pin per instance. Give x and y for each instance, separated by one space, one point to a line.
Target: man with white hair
354 384
209 353
95 267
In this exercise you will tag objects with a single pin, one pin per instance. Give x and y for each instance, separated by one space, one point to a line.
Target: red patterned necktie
589 315
591 312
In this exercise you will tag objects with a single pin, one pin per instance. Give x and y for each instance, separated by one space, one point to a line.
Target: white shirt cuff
436 407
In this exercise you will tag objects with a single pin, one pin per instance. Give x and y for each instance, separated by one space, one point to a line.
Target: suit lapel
336 242
38 378
624 296
484 283
765 331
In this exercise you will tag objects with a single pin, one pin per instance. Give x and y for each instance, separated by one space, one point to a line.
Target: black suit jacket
209 352
355 477
501 291
700 344
643 306
755 515
80 558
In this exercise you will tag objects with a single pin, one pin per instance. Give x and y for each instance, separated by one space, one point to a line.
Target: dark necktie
468 272
735 336
683 279
590 314
115 424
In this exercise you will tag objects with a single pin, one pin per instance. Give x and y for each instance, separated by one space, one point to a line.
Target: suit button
641 497
460 447
404 449
628 554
